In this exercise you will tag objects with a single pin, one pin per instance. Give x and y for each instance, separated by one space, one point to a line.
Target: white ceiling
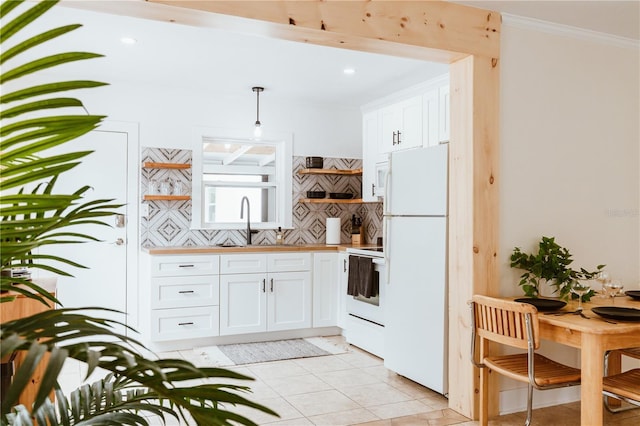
214 60
219 61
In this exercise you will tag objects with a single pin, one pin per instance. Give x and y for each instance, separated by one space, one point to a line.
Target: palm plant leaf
33 216
59 331
45 89
47 62
36 40
41 105
15 25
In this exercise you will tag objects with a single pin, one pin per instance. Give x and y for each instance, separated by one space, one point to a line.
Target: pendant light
257 132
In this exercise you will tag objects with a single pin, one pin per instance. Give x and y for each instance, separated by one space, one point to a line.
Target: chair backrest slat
503 321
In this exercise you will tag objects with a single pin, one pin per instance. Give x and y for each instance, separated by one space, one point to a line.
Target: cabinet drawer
243 263
187 323
168 266
289 262
182 292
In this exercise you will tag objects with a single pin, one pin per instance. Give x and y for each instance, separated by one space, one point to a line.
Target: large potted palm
33 216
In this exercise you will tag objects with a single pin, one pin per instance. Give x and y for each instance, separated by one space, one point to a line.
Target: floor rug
249 353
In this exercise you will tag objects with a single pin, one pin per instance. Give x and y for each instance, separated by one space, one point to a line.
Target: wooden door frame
466 38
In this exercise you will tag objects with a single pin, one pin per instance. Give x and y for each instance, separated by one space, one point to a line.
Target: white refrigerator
415 248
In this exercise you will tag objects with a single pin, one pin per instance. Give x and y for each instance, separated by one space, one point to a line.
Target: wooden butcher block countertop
251 248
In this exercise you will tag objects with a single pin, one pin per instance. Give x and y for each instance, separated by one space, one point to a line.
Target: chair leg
529 404
613 405
484 397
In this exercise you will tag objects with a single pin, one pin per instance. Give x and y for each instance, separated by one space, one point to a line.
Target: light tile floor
354 388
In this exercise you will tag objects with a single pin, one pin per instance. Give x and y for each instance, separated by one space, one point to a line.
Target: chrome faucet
248 216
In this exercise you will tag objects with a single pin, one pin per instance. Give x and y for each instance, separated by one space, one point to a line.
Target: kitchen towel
333 230
363 279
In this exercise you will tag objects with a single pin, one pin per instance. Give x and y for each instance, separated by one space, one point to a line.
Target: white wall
570 137
167 116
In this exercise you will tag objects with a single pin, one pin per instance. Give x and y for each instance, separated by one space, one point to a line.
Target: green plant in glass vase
550 266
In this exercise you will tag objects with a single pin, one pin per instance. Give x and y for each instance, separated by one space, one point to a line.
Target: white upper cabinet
415 117
370 134
444 116
430 118
401 125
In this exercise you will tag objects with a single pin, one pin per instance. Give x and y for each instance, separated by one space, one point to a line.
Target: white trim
284 140
515 400
133 218
569 31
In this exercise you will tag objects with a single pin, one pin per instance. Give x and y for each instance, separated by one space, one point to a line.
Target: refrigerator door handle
385 218
385 245
387 201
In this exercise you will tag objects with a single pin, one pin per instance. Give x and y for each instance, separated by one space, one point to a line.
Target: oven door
370 308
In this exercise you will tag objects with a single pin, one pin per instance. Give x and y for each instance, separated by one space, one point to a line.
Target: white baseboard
515 400
185 344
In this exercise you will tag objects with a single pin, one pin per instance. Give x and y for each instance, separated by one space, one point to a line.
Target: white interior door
104 282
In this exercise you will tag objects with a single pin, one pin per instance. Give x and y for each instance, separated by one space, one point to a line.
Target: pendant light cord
257 90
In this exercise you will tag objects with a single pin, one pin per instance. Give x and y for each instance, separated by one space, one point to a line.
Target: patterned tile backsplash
168 223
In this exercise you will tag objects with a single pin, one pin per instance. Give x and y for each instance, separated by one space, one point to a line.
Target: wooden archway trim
469 40
441 31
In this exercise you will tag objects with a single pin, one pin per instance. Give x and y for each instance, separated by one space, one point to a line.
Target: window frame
282 182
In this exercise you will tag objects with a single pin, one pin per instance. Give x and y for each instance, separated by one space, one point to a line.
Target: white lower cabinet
325 289
343 281
278 298
185 323
289 300
202 295
184 297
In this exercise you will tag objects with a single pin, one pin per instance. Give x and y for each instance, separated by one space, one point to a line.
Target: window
223 197
232 168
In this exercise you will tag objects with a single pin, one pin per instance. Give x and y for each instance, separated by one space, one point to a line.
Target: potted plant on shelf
550 266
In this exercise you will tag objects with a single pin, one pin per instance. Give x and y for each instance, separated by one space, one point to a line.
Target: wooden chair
624 386
513 324
621 381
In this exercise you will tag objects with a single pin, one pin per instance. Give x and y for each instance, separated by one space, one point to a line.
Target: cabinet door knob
344 265
264 285
399 137
373 189
185 323
185 291
271 285
394 138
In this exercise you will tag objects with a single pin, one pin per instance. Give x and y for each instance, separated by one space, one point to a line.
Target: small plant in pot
550 266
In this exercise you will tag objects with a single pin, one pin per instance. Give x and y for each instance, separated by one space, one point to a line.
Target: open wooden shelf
344 172
149 165
166 197
333 201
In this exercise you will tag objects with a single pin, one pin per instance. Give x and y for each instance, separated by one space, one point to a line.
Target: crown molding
569 31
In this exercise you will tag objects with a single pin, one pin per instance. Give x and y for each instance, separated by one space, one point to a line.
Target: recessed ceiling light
128 40
349 71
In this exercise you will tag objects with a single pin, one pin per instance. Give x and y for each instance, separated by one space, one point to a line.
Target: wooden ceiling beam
430 30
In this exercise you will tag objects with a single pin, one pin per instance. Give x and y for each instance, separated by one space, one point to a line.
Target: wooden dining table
594 337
